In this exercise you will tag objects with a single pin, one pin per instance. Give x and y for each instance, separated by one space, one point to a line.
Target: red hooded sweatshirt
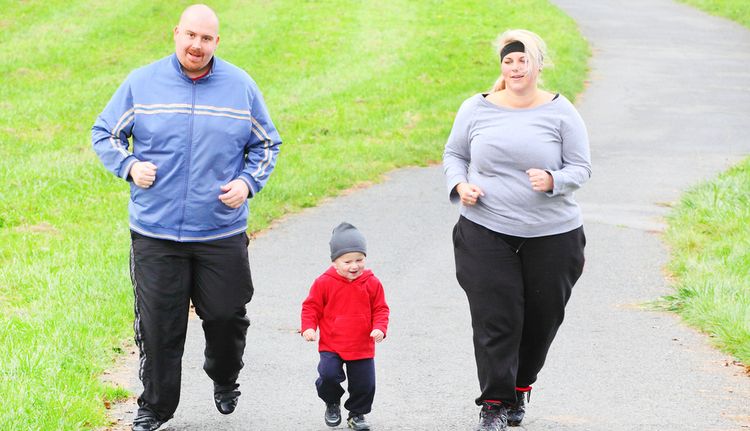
346 312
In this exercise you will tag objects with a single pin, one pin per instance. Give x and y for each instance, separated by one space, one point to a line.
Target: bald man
203 143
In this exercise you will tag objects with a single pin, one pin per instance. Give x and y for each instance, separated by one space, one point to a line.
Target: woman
513 159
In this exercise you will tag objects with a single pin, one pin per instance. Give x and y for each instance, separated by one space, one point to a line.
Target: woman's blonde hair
535 49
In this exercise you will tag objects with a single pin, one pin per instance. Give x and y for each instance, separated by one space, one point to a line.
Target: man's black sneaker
146 422
493 417
518 410
357 422
333 414
226 401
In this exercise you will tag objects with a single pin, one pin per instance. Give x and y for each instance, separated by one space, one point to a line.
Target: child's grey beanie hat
346 239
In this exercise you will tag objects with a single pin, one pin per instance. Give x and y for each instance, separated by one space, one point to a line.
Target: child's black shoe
333 414
357 422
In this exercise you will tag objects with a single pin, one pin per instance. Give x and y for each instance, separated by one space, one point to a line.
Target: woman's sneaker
333 414
518 410
493 417
357 422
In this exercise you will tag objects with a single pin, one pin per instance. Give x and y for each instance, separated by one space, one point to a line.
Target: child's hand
377 334
309 334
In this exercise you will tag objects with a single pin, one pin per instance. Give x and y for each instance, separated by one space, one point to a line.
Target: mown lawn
355 88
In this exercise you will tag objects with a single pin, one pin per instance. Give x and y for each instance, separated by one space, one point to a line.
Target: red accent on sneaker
523 389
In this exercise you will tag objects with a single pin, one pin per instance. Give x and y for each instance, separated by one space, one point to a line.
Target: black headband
512 47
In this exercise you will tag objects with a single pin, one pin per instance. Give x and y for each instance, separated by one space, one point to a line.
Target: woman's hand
469 193
541 180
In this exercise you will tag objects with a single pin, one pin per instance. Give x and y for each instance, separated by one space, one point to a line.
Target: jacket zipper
188 159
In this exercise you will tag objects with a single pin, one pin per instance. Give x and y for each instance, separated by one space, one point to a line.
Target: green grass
355 88
736 10
710 240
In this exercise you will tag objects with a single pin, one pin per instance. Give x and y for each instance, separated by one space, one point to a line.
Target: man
202 144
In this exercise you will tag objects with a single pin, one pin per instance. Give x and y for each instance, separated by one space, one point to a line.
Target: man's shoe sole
158 427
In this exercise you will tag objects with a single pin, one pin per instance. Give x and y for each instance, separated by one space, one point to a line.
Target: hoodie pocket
351 332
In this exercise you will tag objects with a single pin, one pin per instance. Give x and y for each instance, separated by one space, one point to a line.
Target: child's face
350 265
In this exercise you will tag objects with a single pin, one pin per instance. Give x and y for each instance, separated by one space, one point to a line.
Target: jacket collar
178 68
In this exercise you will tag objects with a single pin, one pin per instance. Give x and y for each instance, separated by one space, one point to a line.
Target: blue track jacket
200 135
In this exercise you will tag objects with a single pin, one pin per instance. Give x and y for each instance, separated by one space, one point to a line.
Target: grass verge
710 241
736 10
355 88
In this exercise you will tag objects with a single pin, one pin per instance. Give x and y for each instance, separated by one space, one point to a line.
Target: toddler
347 304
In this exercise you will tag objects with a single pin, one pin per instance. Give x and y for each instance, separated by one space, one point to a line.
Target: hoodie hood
331 272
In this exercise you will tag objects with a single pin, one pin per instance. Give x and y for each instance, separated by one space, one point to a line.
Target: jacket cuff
252 186
127 164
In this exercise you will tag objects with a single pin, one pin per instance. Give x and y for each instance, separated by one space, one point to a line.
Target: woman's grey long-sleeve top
493 147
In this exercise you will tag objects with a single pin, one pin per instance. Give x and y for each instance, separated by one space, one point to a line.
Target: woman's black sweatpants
517 290
166 276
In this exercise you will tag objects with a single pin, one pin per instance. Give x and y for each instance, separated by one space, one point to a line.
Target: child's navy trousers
361 386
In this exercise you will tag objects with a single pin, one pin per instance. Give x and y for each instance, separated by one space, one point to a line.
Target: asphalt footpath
667 106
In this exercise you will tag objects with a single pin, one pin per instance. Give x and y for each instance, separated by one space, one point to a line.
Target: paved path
667 106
